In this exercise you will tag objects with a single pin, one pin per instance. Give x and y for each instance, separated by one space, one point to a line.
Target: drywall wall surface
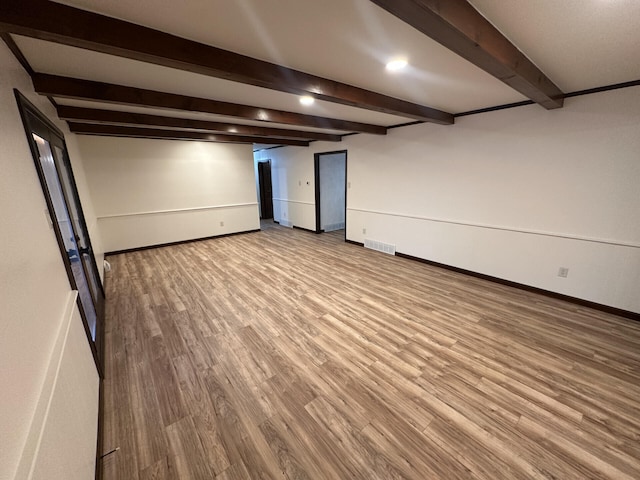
570 170
150 192
67 443
293 185
517 193
34 288
332 191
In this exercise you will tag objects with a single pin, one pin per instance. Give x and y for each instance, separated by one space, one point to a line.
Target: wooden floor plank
286 355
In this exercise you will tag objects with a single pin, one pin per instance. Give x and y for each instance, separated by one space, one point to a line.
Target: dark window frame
28 111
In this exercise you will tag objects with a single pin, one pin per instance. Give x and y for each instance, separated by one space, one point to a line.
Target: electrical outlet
299 183
222 224
364 231
348 184
563 272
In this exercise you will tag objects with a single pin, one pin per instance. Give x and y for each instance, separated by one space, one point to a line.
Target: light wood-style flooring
287 355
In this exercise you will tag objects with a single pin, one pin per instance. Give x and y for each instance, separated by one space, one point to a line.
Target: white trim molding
503 228
179 210
293 201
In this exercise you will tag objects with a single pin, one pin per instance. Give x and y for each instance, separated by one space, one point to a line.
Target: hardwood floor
284 354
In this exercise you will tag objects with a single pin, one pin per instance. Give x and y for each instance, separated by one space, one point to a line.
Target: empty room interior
345 239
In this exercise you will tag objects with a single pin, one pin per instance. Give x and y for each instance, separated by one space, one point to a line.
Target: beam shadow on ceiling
74 88
112 117
135 132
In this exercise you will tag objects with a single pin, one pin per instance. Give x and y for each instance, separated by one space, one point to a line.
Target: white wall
34 299
514 194
332 191
150 192
62 441
292 183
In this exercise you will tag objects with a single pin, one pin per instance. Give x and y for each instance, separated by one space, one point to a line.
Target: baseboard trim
305 229
100 443
353 242
560 296
180 242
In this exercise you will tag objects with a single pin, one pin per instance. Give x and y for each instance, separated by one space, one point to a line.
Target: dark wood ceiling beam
457 25
112 117
59 23
157 133
105 92
8 40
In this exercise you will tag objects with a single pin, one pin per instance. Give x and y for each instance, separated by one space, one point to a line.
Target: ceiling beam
157 133
66 87
113 117
457 25
8 40
59 23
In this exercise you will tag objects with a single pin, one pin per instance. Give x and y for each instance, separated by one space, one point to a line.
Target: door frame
316 174
26 108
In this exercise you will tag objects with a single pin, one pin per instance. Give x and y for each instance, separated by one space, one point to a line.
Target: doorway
265 188
52 163
331 191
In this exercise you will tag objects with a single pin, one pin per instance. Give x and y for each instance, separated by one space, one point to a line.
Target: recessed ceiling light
396 64
307 100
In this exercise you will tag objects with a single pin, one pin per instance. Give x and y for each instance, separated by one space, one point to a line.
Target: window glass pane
63 219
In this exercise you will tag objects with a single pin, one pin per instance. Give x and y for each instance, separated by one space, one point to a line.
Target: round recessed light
307 100
396 64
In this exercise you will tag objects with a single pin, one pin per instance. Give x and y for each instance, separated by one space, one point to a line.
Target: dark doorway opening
266 193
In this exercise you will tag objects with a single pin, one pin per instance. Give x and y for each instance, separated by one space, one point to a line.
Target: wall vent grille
380 246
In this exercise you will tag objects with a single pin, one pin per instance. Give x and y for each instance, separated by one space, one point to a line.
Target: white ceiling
190 115
345 40
578 44
56 59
